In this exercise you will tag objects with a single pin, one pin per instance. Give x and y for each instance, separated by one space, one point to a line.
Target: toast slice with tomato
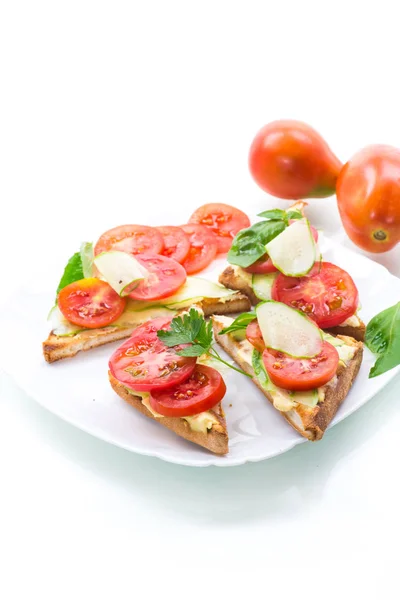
212 434
57 347
236 278
311 421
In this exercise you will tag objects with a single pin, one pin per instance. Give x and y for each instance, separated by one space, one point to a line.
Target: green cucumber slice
59 324
87 257
288 330
121 270
293 252
262 285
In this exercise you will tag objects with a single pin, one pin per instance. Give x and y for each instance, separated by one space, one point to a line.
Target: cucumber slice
288 330
121 270
196 288
262 285
293 251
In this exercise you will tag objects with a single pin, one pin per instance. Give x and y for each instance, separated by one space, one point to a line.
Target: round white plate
77 390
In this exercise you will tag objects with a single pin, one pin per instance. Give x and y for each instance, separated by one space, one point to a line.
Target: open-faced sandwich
304 372
278 258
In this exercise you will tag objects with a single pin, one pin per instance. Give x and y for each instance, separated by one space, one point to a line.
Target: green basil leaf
275 213
259 369
72 272
249 244
239 323
383 338
294 214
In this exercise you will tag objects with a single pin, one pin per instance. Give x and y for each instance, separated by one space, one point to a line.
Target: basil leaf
239 323
72 272
275 213
259 368
294 214
249 244
383 338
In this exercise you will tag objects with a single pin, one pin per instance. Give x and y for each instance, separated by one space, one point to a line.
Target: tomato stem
380 235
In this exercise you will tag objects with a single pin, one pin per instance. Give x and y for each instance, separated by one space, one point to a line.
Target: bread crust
59 347
215 440
313 421
234 278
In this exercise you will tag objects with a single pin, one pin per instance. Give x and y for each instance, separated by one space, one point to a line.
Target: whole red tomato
368 194
290 160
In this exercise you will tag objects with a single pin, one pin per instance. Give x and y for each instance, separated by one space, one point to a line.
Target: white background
108 112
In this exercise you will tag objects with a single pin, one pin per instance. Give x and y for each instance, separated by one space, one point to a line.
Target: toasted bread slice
309 422
58 347
214 439
235 278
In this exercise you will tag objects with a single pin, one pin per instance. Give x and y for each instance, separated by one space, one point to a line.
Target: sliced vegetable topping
145 363
134 239
121 270
200 392
176 243
90 303
224 220
288 330
293 252
164 277
328 294
203 247
301 373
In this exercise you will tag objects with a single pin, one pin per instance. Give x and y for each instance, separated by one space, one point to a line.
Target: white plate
77 390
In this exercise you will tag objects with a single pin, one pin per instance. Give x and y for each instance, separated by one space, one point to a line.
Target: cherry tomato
368 194
254 336
165 278
301 374
224 220
90 303
176 243
133 239
290 160
203 247
265 265
329 296
144 363
200 392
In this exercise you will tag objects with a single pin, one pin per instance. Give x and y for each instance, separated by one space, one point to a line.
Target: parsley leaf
192 328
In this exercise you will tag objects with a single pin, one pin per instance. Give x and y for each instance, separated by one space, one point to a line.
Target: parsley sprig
192 328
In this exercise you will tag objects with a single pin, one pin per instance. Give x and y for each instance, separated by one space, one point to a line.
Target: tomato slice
203 247
265 265
200 392
224 220
133 239
90 303
176 243
254 336
301 374
145 363
165 277
329 296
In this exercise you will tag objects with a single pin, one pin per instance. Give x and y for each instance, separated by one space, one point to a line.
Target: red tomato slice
203 390
203 247
329 296
224 220
301 374
144 363
176 243
90 303
254 336
165 278
133 239
265 264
